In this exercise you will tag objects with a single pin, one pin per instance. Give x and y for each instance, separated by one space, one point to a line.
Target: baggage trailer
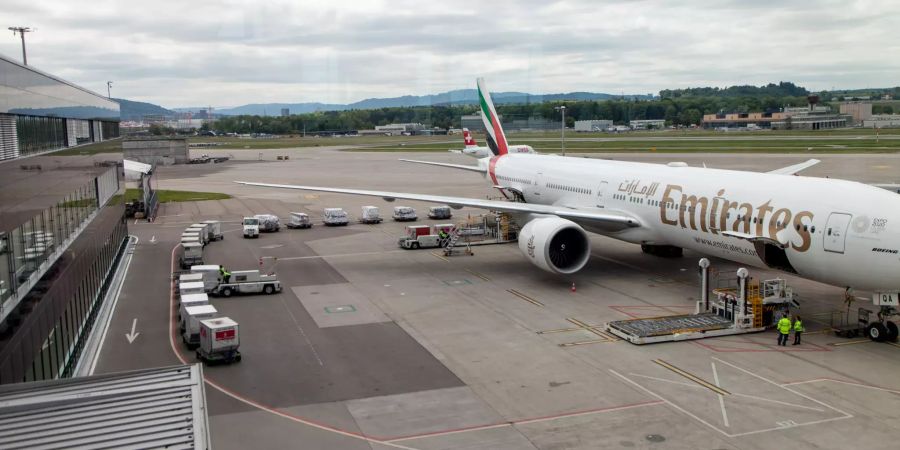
190 277
190 333
299 220
190 300
210 274
248 282
268 222
194 287
200 229
214 230
370 215
335 217
219 341
404 214
190 254
440 212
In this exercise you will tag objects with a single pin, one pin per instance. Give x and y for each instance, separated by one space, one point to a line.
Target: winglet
495 136
791 170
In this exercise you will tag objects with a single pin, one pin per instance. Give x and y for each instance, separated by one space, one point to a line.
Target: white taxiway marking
134 334
721 397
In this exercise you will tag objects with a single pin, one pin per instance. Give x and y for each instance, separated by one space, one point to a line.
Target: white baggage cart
193 315
219 340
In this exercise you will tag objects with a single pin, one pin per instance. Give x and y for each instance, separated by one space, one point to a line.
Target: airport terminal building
62 225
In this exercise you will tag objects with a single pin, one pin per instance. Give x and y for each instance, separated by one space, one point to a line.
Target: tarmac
370 346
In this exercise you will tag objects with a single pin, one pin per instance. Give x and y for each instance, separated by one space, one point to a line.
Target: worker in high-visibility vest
798 330
784 330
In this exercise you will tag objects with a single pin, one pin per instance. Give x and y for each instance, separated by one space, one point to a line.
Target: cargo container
191 288
299 220
439 212
190 277
370 215
190 300
404 214
200 229
268 222
190 254
210 274
219 340
335 217
214 230
193 316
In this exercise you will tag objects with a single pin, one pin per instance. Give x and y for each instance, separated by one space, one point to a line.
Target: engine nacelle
555 245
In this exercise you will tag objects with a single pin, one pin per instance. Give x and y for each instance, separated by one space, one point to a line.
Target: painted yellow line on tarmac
478 275
524 297
594 341
692 377
439 257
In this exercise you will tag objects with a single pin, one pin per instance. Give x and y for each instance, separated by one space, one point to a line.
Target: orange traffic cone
573 286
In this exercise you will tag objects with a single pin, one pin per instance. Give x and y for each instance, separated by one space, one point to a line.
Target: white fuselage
834 231
485 152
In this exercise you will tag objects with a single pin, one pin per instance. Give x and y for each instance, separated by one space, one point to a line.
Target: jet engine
555 245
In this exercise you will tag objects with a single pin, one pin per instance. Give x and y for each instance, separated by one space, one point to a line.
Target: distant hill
131 110
457 97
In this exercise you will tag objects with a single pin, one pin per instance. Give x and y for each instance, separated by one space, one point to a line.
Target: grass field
178 196
114 146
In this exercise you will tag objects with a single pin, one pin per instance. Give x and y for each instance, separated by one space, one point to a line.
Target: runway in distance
834 231
472 149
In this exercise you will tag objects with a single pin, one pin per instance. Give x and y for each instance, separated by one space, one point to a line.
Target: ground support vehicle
335 217
251 227
299 220
219 341
268 222
190 330
248 282
404 214
214 230
421 236
190 254
370 215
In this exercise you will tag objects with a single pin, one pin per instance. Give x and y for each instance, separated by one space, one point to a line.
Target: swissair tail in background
834 231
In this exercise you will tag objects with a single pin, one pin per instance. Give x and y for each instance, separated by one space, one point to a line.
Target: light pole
562 109
108 86
22 31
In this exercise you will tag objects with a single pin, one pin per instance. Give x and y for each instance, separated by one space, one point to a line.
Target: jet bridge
738 306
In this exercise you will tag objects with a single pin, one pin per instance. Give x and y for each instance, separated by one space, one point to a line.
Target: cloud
233 52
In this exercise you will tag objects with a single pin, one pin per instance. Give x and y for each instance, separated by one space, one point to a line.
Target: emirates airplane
472 148
838 232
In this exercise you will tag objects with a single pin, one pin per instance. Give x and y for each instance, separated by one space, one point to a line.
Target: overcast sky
228 53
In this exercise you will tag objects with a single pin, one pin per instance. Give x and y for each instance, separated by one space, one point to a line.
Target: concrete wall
162 152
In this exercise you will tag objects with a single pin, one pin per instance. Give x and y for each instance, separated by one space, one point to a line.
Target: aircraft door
601 191
836 232
538 179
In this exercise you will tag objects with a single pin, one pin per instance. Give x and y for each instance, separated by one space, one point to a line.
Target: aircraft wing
790 170
454 166
597 216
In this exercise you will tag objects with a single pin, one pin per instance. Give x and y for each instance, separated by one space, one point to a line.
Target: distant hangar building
592 125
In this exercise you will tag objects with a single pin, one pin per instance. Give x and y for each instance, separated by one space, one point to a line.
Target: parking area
372 346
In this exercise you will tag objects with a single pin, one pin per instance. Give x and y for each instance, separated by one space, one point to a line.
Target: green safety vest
784 325
798 326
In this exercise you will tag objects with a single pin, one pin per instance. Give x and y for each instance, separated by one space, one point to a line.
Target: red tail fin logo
468 139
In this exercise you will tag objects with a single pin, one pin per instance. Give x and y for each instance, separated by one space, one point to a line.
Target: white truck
404 214
191 253
190 333
420 236
251 227
299 220
370 215
219 341
214 230
248 282
335 217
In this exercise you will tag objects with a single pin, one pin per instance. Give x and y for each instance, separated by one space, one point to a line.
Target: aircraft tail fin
468 139
495 137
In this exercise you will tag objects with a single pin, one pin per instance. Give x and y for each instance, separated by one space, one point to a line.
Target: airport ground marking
851 383
525 297
721 397
526 421
112 309
860 341
692 377
439 257
302 333
253 403
484 278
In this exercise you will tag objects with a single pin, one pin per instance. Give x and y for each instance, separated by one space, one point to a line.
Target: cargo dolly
745 308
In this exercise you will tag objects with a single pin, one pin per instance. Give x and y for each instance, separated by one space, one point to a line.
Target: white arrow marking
133 335
153 239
